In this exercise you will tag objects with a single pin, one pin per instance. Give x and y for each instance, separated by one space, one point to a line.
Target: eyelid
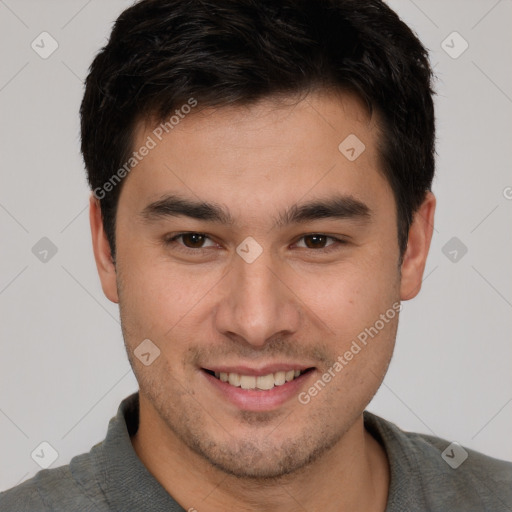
337 240
171 239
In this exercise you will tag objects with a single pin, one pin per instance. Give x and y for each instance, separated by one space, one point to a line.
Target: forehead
261 156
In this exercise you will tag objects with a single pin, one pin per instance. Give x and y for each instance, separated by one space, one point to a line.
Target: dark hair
162 53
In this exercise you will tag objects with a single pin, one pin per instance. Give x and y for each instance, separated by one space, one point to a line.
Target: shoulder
455 456
69 487
444 473
463 475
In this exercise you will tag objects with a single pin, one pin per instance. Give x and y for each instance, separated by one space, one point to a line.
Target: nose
258 303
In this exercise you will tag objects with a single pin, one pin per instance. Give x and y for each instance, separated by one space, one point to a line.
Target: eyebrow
336 207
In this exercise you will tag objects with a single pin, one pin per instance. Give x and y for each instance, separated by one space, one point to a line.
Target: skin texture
295 302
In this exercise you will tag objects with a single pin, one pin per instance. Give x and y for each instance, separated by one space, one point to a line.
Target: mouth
264 382
263 389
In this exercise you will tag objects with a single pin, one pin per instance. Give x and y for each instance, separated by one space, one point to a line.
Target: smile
260 382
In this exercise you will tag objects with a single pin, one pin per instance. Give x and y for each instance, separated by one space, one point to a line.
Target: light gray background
63 369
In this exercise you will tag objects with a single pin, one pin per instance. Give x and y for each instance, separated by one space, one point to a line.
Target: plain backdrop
63 368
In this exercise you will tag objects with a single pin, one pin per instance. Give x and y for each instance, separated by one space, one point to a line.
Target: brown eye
193 240
320 243
315 241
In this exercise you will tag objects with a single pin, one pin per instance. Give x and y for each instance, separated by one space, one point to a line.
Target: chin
245 459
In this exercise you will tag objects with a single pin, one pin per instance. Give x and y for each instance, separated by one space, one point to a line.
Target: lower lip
259 400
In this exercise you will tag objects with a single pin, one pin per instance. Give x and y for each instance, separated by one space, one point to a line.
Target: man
261 176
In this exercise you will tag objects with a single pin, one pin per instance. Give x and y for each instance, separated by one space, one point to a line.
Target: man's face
299 305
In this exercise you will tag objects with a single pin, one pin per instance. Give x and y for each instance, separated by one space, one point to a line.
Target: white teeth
279 378
234 379
247 381
263 382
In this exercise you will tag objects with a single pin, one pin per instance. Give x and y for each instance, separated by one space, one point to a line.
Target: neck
352 475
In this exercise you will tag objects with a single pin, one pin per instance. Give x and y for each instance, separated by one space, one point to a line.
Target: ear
418 245
102 253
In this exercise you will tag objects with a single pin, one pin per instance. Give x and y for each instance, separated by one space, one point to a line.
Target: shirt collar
123 478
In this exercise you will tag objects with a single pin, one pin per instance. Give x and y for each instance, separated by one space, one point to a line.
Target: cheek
361 310
158 297
351 296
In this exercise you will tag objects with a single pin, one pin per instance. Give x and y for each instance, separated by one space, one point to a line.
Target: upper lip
258 372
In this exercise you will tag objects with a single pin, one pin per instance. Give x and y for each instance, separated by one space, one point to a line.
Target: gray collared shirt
112 478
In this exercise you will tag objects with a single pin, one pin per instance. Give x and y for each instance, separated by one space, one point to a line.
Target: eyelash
170 241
